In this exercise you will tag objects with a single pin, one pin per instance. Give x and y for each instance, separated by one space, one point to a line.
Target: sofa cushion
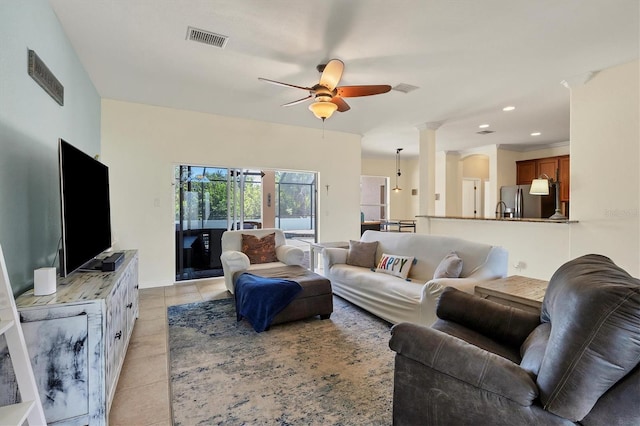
449 267
362 254
504 324
398 266
260 250
532 350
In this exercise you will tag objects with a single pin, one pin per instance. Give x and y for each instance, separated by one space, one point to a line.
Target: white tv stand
77 339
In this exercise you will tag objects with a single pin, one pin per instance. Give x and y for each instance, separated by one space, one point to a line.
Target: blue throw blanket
259 299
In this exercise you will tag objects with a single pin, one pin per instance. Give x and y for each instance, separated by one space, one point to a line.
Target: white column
427 165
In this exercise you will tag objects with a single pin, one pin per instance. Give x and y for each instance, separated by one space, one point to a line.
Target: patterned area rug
312 372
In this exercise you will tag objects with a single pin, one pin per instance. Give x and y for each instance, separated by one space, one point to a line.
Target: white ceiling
469 58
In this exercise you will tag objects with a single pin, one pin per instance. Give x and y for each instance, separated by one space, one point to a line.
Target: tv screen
86 218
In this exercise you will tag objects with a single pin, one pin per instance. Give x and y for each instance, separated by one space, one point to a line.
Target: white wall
605 159
141 144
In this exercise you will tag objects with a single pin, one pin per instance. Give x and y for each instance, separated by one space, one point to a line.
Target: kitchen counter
506 219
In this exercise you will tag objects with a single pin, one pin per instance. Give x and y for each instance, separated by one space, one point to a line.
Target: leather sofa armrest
331 256
499 322
232 262
290 255
462 361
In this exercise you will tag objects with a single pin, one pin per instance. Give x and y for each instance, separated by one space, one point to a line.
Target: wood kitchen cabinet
547 166
564 167
554 167
526 172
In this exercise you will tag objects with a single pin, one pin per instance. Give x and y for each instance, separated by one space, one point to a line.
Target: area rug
311 372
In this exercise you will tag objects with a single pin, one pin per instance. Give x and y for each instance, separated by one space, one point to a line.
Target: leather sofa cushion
477 339
504 324
594 308
532 350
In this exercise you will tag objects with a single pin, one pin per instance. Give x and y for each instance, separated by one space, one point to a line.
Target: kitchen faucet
500 207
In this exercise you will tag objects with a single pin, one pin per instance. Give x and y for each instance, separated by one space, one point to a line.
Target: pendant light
398 173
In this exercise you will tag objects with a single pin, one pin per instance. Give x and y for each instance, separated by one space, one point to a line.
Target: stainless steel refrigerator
524 205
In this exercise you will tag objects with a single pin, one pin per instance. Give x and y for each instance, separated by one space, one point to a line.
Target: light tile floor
142 396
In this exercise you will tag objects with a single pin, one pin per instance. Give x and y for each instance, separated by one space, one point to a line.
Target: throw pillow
449 267
362 254
260 250
398 266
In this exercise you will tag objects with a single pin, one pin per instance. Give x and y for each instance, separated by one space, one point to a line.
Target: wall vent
207 37
404 88
485 132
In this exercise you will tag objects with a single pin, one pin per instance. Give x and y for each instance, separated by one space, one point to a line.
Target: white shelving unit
30 409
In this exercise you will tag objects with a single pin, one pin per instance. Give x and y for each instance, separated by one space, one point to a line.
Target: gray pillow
449 267
362 254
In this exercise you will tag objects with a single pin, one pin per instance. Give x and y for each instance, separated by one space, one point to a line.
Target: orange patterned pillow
260 250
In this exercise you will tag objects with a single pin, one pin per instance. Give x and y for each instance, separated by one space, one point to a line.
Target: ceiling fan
328 95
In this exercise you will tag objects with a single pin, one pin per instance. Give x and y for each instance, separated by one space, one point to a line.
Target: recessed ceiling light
483 126
508 108
536 134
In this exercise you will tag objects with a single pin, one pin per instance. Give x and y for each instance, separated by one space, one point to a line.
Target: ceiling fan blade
297 102
332 73
277 83
342 105
355 91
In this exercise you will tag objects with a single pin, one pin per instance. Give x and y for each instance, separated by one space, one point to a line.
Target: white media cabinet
77 339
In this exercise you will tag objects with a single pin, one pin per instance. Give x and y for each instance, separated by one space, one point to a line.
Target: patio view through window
211 200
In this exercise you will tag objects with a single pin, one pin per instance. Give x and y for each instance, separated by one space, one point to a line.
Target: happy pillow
397 266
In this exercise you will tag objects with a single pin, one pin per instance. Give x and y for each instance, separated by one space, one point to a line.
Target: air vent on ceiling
485 132
404 88
207 37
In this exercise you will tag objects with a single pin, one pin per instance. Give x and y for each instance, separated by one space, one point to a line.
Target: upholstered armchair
263 248
483 363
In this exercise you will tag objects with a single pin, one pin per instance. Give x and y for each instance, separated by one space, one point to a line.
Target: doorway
472 198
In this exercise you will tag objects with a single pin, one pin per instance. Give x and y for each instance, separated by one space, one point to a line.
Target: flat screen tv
86 217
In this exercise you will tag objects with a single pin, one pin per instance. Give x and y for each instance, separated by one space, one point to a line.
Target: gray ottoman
315 298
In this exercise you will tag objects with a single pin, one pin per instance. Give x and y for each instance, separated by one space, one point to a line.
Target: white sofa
398 300
233 260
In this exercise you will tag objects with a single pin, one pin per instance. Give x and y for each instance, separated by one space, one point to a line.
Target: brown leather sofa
487 364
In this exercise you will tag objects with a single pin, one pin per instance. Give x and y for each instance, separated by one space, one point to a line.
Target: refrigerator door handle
518 200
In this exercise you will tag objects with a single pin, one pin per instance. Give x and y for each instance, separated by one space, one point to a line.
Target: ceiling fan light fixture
322 109
324 97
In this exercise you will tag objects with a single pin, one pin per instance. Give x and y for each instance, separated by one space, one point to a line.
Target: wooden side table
316 248
516 291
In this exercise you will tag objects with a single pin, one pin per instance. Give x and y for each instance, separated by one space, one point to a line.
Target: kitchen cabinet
526 172
564 167
547 166
554 167
77 339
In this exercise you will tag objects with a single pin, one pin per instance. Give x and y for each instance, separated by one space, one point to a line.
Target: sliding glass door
211 200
